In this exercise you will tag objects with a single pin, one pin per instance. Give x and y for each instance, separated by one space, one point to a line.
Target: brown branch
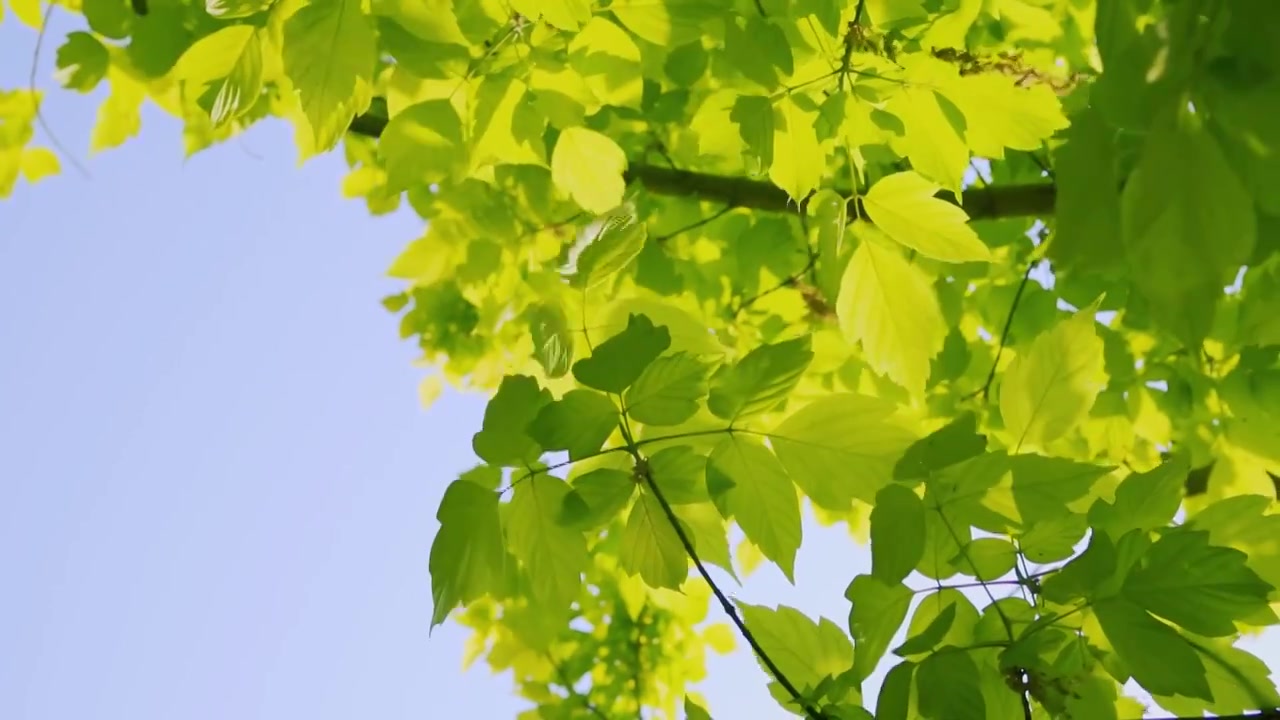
988 203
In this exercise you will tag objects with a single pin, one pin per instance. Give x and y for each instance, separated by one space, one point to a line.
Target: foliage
949 272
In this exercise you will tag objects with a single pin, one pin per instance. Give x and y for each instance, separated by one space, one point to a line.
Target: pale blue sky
217 488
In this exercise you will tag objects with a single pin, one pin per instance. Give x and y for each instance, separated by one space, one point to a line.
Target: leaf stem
985 390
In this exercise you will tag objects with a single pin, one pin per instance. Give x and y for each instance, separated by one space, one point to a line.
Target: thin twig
697 224
812 712
985 390
786 282
31 88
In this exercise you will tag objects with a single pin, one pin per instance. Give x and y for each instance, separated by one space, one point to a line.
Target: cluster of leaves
955 273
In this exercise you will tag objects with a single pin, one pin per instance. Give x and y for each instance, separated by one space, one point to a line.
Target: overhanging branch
986 203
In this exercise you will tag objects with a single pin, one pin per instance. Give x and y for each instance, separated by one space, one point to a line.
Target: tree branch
987 203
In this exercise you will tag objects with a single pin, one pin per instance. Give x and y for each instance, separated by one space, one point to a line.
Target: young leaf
580 423
422 143
841 447
467 555
503 438
1158 657
617 240
897 533
329 54
552 338
669 390
877 611
650 546
1049 389
588 166
760 380
902 206
888 306
553 555
798 159
999 113
748 483
620 360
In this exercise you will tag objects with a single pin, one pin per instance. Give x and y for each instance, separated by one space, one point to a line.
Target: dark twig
31 88
985 390
696 224
642 468
786 282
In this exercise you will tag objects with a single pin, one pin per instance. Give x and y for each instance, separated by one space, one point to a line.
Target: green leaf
708 532
1185 580
1160 660
596 498
747 482
1143 501
109 18
897 533
82 62
1086 205
759 50
1239 681
903 206
666 23
805 651
552 338
952 443
894 701
754 116
1052 540
231 62
329 53
669 391
760 380
1002 113
617 240
888 306
650 546
1044 488
932 634
1048 389
680 474
467 555
694 711
619 361
1182 192
579 423
553 555
231 9
949 687
987 559
564 14
503 438
934 141
841 447
507 129
609 62
421 144
878 609
798 159
589 166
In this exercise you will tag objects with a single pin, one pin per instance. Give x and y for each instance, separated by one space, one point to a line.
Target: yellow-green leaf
903 206
747 483
553 555
608 60
1001 114
1051 386
798 162
889 306
589 167
329 53
650 546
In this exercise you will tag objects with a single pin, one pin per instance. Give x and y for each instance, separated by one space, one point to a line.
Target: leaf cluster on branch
992 284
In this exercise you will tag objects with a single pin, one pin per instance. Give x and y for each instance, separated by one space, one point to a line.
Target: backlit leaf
619 361
504 440
669 391
902 205
467 555
760 380
749 484
588 166
554 555
650 546
579 423
897 533
329 53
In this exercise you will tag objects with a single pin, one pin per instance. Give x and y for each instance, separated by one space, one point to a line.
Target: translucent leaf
1182 192
503 439
1087 206
467 555
694 711
579 423
841 447
933 141
760 380
589 166
421 144
119 117
958 631
669 391
329 53
949 687
564 14
608 60
798 162
650 546
1051 386
596 498
709 534
666 23
877 611
507 127
680 473
1185 580
1239 681
109 18
759 50
1160 660
888 306
748 484
1001 114
1143 501
616 240
928 638
897 533
619 361
952 443
805 651
903 206
894 700
987 559
553 555
229 9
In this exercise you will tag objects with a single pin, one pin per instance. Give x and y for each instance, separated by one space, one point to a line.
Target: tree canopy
993 283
